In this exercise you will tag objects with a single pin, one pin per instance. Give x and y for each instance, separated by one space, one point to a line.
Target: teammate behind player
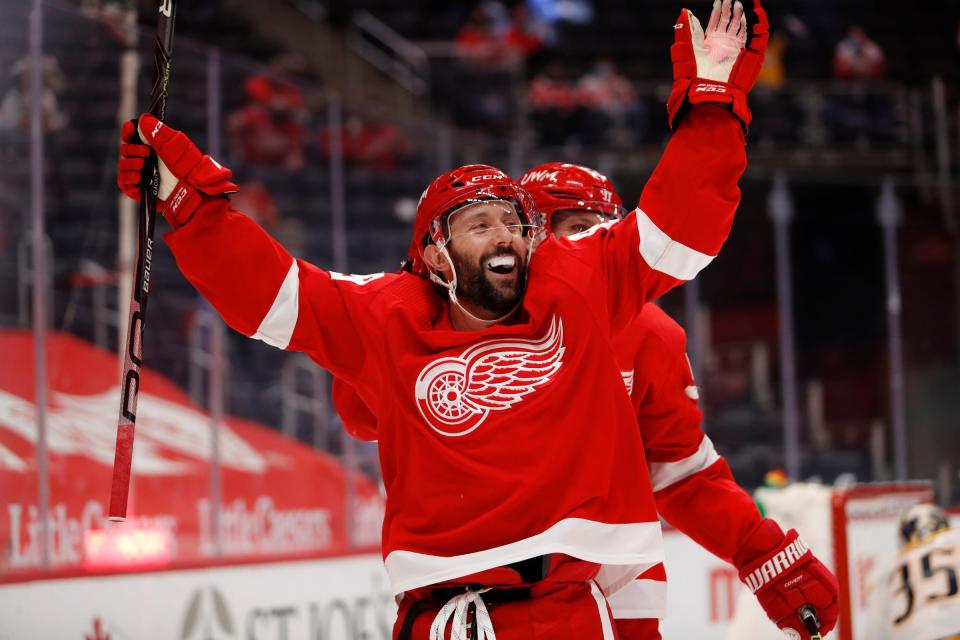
694 488
919 598
488 450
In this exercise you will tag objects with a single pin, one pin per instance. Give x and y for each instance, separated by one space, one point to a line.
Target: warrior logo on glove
776 565
455 395
786 578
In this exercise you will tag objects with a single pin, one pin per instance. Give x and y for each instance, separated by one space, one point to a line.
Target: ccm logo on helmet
710 88
485 177
776 565
539 176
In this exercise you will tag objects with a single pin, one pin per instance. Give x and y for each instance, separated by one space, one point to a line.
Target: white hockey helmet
919 521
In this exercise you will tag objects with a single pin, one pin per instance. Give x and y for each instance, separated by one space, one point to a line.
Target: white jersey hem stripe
625 550
641 599
664 474
605 623
276 329
666 255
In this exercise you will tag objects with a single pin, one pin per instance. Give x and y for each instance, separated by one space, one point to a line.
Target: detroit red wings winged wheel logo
455 395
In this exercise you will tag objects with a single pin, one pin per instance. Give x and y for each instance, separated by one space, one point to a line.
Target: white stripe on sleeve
276 329
664 474
664 254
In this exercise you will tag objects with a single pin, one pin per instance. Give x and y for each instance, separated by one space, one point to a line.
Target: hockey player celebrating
693 486
472 362
917 599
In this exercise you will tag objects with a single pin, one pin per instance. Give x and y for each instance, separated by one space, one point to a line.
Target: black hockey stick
133 356
810 620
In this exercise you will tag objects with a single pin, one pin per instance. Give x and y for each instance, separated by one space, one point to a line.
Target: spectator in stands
15 108
372 144
489 41
485 60
858 57
607 103
271 127
525 36
553 100
862 113
478 42
119 18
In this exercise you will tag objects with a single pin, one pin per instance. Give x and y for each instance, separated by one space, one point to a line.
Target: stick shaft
811 621
133 353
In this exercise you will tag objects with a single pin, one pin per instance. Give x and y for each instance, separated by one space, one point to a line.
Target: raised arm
687 207
256 285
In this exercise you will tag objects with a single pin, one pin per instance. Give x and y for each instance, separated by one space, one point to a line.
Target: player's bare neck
474 320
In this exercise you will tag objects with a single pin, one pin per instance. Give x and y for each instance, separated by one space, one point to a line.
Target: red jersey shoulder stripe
665 254
277 326
664 474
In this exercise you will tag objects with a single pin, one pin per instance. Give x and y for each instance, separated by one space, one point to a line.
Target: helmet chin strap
451 286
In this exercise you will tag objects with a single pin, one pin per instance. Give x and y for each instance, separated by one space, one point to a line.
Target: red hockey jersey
694 488
511 442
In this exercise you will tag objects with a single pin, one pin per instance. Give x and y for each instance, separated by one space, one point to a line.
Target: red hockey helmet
456 189
558 186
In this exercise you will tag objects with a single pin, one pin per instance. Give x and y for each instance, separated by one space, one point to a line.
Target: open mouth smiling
502 265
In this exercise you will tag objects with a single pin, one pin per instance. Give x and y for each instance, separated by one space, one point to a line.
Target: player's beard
475 286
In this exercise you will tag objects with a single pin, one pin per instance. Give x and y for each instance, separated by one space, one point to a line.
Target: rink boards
343 598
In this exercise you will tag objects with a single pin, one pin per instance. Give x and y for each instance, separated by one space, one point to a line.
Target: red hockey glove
185 173
720 67
785 575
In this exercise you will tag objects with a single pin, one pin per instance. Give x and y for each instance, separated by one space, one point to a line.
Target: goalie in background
918 598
